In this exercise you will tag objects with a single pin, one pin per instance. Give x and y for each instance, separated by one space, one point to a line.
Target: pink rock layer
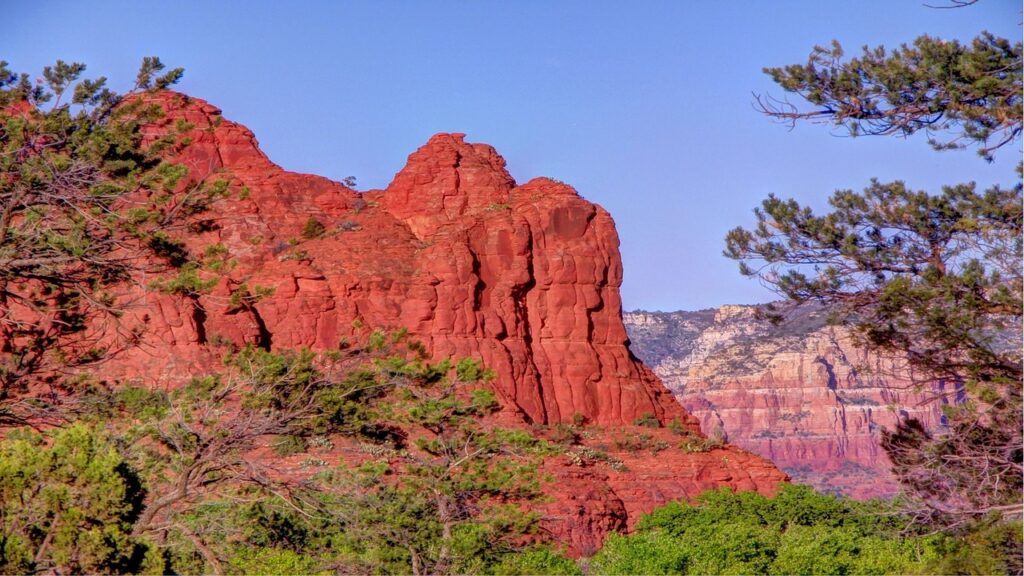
803 394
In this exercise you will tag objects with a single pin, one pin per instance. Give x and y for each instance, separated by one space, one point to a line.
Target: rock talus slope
523 277
801 394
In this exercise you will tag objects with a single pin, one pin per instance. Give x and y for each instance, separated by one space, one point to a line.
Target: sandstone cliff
523 277
801 393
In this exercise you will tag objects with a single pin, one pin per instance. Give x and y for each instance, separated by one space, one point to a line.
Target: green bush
651 552
67 505
313 229
648 420
273 561
796 532
536 561
992 547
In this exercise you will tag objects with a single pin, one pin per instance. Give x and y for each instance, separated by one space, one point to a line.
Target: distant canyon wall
801 394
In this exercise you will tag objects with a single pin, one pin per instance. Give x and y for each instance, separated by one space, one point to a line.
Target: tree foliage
85 201
970 471
935 277
198 443
796 532
450 502
68 502
932 278
970 92
431 489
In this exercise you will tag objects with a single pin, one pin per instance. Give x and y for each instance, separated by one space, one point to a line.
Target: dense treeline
73 501
799 532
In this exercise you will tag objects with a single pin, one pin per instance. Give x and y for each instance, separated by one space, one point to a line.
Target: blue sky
644 107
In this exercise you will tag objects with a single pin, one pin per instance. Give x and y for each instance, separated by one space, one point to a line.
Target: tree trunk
444 556
417 568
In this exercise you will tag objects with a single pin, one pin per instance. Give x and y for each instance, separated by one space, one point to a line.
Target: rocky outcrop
801 393
591 501
523 277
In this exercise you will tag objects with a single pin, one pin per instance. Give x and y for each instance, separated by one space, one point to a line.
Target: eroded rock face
801 394
523 277
590 502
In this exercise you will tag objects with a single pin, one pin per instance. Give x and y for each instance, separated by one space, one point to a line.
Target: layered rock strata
801 394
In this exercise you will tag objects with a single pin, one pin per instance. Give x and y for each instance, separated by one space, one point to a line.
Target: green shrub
991 547
537 560
287 445
68 502
647 553
249 560
636 442
648 420
796 532
186 283
677 428
313 229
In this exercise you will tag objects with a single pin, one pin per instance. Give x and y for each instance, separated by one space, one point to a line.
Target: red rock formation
590 502
523 277
801 394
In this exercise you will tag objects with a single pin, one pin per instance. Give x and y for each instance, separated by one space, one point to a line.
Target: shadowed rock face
801 394
523 277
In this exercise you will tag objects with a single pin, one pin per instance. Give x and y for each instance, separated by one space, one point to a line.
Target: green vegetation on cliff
85 202
179 481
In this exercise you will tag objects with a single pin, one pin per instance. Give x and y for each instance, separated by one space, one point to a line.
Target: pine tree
934 278
970 92
85 203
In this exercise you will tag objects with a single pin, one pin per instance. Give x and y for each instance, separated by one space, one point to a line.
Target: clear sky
644 107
